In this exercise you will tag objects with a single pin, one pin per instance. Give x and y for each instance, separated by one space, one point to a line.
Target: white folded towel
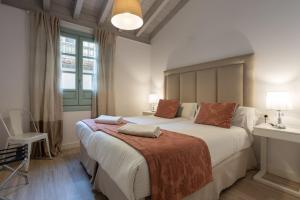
106 119
140 130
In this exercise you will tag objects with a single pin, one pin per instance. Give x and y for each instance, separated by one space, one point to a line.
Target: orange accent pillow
216 114
167 108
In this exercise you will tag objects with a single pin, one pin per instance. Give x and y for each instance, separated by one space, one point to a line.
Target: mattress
128 168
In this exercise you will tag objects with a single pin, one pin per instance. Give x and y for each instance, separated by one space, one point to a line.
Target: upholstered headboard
226 80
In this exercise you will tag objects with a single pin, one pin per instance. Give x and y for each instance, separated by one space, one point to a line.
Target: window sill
76 108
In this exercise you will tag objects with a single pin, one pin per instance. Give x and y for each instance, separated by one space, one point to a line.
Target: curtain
45 94
103 98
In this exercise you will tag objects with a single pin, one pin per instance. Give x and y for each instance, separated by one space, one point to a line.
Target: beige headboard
226 80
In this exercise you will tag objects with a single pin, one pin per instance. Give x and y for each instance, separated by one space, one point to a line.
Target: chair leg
48 147
14 172
19 172
28 156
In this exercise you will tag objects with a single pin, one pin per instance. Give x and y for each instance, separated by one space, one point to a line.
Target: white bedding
221 142
153 120
84 132
128 168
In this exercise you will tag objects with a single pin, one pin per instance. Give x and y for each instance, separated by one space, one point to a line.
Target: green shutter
85 98
70 98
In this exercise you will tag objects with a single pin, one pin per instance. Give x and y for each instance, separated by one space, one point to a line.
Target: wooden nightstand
148 113
266 131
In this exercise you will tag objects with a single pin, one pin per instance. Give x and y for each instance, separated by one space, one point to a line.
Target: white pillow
187 110
245 117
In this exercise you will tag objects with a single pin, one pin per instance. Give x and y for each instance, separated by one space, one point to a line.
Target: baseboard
285 173
70 145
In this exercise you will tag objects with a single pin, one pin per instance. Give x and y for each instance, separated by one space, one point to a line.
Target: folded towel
106 119
140 130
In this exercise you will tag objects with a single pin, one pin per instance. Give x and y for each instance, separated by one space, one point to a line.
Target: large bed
85 135
121 172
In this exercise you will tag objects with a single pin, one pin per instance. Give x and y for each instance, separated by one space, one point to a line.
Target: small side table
266 131
148 113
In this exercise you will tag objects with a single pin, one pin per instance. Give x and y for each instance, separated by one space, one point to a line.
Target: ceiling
92 13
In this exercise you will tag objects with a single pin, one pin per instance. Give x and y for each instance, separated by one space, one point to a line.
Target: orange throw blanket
179 164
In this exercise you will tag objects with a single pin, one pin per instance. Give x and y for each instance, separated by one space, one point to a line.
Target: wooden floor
63 178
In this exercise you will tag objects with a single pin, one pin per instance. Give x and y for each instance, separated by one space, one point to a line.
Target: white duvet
128 168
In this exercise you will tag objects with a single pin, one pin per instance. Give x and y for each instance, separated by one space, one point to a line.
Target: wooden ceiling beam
77 9
33 5
153 14
152 9
46 5
168 18
106 11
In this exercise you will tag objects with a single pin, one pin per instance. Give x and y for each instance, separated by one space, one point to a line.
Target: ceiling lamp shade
127 14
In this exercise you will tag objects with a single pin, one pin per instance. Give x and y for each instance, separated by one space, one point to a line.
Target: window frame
77 99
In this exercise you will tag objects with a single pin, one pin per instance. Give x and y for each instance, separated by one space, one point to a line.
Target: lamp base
152 107
280 126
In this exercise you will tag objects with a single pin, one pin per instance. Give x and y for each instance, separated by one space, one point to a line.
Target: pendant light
127 14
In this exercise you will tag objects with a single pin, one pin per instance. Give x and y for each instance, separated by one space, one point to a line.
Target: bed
123 173
84 134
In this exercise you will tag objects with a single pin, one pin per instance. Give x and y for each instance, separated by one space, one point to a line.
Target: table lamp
153 100
279 101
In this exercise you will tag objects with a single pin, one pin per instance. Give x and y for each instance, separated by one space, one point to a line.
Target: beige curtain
103 97
45 94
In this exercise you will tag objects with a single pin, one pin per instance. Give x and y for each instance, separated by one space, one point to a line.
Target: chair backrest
16 121
20 121
4 132
4 128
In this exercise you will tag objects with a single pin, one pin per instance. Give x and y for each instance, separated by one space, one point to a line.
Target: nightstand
266 131
148 113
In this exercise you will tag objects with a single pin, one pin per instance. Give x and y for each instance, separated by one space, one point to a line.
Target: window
78 64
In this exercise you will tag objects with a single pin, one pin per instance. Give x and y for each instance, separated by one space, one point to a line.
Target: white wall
70 139
206 30
14 34
132 77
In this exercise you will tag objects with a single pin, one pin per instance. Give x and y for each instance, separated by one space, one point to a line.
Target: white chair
19 136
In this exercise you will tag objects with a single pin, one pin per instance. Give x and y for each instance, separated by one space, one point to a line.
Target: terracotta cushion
216 114
167 108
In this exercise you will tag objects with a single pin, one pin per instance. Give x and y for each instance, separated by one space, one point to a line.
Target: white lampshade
153 98
127 14
278 101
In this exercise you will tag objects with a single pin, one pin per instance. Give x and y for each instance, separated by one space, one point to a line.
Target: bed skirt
89 164
225 174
